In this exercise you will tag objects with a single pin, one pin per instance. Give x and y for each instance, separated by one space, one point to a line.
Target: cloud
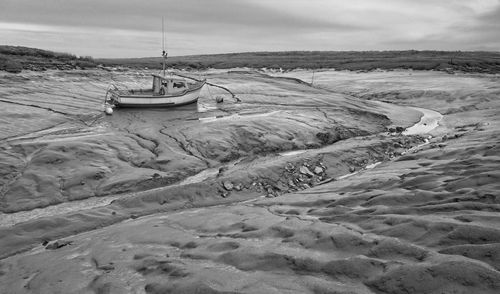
146 15
95 27
481 32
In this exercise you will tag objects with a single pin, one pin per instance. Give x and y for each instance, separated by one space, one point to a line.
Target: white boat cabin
163 85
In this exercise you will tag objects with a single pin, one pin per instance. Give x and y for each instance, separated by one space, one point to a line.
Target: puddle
205 107
373 165
236 116
293 152
428 122
10 219
347 175
412 149
200 177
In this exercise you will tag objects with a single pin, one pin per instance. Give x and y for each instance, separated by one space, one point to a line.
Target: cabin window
178 85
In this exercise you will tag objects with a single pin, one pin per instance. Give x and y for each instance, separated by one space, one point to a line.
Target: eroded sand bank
424 221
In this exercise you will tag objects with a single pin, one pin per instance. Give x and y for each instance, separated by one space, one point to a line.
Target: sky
133 28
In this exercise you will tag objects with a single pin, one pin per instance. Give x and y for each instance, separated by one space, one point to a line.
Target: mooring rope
210 84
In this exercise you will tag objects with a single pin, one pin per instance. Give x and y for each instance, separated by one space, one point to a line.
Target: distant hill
16 58
488 62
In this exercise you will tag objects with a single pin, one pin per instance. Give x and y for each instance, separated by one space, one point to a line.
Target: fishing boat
167 90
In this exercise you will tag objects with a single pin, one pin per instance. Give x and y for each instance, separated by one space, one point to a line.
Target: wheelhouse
168 85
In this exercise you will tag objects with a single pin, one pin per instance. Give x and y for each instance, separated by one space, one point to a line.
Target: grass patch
488 62
16 58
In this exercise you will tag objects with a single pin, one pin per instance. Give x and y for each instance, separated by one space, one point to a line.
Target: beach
324 182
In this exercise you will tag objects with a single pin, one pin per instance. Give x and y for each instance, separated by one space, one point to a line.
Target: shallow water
429 121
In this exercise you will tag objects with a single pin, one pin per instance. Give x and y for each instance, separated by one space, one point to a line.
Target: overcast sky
132 28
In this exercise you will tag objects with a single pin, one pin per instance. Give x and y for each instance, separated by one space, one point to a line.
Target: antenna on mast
164 53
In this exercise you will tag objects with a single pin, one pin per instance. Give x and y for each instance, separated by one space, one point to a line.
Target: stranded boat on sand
167 91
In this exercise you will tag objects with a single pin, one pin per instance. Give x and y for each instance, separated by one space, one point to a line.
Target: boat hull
147 100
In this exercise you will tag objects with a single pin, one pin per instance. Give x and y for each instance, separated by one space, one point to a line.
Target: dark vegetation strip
16 58
488 62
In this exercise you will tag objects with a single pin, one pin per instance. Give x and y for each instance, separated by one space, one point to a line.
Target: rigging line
163 54
163 34
210 93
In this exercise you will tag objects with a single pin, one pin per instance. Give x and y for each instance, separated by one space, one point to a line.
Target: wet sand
296 189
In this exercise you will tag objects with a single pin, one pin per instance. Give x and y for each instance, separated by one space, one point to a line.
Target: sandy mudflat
296 189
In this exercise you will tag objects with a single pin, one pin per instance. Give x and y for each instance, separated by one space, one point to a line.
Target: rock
219 99
58 244
289 167
238 187
133 216
106 267
400 129
352 169
228 185
327 138
305 171
270 192
279 186
312 145
99 175
221 171
318 170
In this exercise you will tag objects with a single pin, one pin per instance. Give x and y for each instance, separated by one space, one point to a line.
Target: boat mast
164 53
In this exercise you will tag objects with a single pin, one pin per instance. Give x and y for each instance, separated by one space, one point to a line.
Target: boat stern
112 97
